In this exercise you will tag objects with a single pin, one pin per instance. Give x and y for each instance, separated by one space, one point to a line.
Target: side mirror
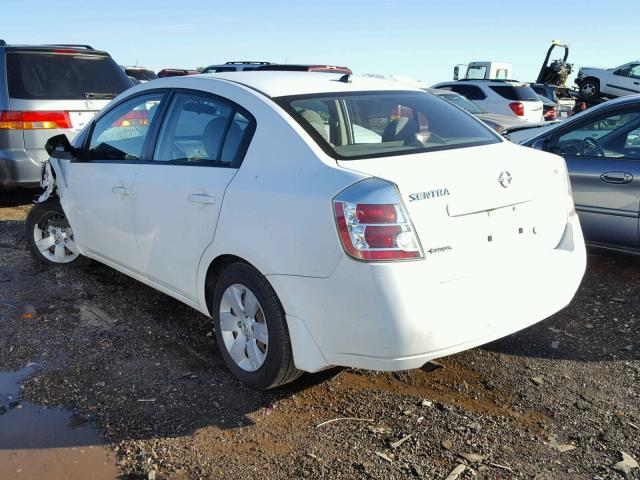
60 147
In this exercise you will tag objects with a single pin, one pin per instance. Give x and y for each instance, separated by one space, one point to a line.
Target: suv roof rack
2 43
246 62
72 45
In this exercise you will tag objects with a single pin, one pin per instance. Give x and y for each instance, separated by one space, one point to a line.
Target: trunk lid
476 208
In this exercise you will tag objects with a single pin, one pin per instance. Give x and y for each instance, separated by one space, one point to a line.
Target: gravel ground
559 400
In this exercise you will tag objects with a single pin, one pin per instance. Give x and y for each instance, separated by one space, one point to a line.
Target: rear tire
50 237
590 88
251 328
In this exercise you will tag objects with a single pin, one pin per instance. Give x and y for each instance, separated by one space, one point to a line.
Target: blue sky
421 39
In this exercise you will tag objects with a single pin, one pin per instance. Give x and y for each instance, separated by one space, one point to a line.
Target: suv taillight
11 120
517 108
375 231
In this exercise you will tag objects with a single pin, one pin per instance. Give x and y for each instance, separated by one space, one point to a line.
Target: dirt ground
560 400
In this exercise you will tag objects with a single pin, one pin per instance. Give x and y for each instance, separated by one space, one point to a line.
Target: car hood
502 120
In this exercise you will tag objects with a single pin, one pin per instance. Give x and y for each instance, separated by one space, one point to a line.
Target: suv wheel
251 328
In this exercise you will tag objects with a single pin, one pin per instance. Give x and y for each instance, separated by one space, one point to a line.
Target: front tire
251 328
49 235
590 88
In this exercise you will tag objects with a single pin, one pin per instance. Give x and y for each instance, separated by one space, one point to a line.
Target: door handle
202 198
120 190
616 177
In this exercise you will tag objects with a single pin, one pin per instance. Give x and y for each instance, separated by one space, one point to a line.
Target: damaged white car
319 219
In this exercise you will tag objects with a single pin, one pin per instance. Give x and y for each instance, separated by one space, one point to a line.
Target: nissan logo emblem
505 179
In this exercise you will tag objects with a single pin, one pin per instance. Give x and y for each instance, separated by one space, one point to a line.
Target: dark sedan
602 149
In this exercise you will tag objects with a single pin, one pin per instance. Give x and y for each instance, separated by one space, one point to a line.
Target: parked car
500 123
234 67
609 82
176 72
549 109
253 198
504 97
305 68
565 102
45 90
140 73
602 149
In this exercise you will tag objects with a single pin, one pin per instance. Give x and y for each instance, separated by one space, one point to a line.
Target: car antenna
346 78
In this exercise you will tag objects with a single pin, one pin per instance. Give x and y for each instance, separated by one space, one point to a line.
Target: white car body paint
275 212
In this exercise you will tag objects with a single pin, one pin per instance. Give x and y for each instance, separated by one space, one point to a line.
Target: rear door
99 198
178 195
603 158
60 90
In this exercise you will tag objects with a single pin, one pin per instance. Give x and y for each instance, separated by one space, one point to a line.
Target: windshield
61 76
462 102
378 124
515 92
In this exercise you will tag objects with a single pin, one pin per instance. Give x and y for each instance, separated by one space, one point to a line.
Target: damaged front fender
48 179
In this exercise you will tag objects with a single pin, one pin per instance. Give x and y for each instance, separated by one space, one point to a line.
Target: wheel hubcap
243 327
54 239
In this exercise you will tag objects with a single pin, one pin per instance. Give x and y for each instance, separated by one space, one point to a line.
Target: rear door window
201 130
468 91
515 92
63 76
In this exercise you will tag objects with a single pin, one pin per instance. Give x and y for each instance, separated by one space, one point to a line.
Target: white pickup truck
609 82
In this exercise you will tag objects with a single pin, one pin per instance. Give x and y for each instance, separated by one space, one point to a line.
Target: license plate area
508 225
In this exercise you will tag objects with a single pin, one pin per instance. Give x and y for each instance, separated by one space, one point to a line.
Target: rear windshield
141 74
378 124
62 76
519 92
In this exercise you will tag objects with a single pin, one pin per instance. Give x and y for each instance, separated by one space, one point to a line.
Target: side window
121 133
469 91
610 136
200 130
635 71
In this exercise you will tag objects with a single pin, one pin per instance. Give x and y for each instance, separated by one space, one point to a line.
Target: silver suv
46 90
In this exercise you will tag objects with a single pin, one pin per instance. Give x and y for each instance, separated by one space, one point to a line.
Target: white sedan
319 220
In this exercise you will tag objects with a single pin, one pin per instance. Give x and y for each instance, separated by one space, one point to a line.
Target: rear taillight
517 108
375 231
551 114
10 120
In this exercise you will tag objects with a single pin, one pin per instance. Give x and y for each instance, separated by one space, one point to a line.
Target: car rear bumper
20 168
396 316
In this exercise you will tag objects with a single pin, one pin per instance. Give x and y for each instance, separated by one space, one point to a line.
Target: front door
178 196
99 202
603 158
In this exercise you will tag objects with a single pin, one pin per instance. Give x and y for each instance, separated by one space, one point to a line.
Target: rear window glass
51 76
511 92
378 124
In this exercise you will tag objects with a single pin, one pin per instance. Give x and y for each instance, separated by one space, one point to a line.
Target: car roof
280 83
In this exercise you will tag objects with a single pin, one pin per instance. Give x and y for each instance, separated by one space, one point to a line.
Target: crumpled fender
49 176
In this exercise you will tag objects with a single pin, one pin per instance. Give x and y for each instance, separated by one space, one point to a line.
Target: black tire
590 87
278 367
40 213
